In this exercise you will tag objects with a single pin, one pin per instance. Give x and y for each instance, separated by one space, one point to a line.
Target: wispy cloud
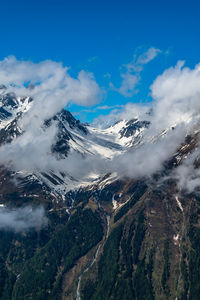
20 219
107 75
129 82
131 74
97 108
145 57
92 59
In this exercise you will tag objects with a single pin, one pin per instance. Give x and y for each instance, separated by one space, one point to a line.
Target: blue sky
101 37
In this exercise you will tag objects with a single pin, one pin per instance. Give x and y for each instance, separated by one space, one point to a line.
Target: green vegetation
108 267
88 290
166 269
139 190
7 280
184 273
139 236
142 283
42 275
194 262
121 274
127 251
123 288
32 264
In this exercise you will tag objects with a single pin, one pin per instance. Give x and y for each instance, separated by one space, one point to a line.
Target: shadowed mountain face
105 238
132 126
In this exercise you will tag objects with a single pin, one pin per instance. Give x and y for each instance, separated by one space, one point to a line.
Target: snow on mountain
71 137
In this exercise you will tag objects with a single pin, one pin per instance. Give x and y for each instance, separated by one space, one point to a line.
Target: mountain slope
104 236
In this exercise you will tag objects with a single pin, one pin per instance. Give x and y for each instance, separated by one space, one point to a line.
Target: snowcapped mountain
71 137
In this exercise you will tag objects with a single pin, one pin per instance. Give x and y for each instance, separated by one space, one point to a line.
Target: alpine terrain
76 223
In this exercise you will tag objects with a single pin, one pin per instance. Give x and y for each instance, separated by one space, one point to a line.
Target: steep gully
78 296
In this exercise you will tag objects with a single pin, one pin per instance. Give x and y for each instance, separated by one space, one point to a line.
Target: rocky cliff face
108 237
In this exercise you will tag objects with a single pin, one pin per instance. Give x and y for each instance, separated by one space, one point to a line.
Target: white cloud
147 56
176 95
149 157
129 82
32 150
188 173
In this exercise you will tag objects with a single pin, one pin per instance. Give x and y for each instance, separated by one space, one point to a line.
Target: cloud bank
175 104
149 157
176 95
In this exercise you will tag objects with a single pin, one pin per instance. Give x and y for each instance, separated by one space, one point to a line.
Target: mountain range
76 225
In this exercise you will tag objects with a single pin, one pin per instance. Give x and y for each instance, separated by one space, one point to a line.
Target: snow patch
179 203
114 202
